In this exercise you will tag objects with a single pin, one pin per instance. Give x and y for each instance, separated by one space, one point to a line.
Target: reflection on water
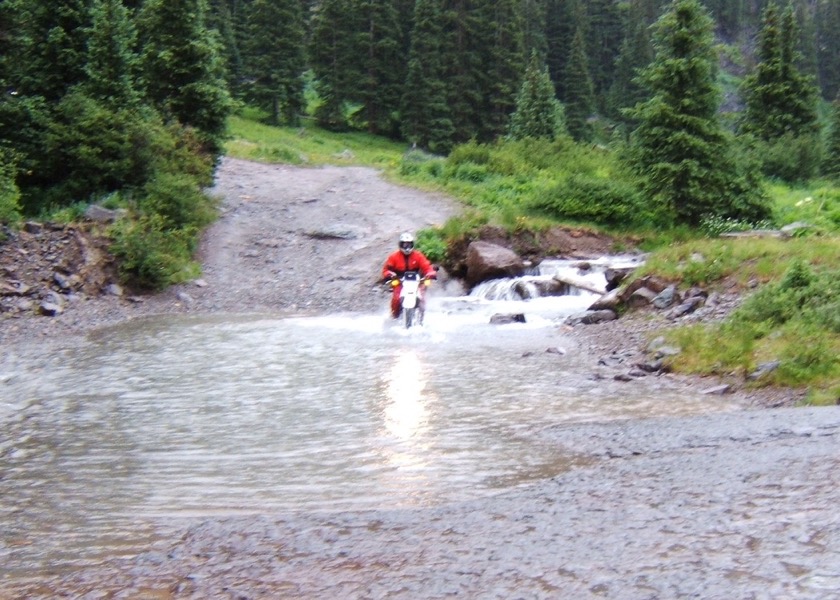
200 416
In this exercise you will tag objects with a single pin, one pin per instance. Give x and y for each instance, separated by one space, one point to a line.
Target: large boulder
487 261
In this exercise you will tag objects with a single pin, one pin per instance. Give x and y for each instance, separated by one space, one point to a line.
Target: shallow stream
191 417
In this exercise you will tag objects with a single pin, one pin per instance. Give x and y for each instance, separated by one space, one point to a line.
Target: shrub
178 200
151 255
9 192
790 158
593 200
432 243
472 152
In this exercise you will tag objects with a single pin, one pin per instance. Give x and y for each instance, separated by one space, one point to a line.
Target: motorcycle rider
406 258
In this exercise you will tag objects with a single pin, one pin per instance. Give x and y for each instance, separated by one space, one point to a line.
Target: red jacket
399 263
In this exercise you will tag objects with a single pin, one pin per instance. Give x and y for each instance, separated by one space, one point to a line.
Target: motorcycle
411 299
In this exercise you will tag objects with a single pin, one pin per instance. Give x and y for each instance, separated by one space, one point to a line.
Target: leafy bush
9 192
790 158
592 200
472 152
432 243
151 255
801 294
178 200
470 172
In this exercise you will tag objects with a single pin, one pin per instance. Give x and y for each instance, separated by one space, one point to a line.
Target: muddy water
198 417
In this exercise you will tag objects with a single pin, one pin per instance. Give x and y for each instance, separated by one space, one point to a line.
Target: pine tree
274 60
383 65
580 96
828 47
563 19
831 167
112 65
636 53
426 120
538 112
53 46
182 67
603 44
779 99
222 19
461 55
501 45
680 150
534 28
335 56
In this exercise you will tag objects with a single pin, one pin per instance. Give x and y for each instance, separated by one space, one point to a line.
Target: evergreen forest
646 116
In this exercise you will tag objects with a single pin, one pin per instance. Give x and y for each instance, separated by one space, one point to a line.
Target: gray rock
502 319
666 297
100 214
336 232
764 369
487 261
792 228
609 301
50 309
718 390
591 317
687 307
641 297
33 227
112 289
615 277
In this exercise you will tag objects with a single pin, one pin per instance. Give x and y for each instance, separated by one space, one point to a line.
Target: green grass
307 145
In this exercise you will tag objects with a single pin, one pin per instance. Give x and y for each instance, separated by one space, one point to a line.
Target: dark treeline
130 97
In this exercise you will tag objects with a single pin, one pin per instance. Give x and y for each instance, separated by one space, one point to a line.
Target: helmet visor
407 245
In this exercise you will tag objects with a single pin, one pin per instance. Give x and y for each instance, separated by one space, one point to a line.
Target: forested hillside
126 101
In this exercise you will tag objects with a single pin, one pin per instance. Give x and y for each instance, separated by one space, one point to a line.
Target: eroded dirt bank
738 505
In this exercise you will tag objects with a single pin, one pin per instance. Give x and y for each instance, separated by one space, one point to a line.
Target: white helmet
406 243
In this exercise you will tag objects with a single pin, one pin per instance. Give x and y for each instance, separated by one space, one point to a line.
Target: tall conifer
182 67
779 98
831 167
636 53
383 65
538 112
274 60
461 52
502 47
426 119
112 65
335 56
828 46
680 149
53 46
580 95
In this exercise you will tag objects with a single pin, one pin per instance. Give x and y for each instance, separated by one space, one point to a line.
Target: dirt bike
411 299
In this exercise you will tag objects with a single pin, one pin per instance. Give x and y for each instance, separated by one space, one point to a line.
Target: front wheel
409 317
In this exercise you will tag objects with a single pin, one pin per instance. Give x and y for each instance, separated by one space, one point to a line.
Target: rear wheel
409 316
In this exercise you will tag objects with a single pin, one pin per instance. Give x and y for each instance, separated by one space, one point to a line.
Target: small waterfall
554 278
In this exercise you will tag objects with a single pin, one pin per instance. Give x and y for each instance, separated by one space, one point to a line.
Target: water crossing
190 417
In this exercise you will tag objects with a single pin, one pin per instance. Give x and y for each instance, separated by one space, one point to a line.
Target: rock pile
45 267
